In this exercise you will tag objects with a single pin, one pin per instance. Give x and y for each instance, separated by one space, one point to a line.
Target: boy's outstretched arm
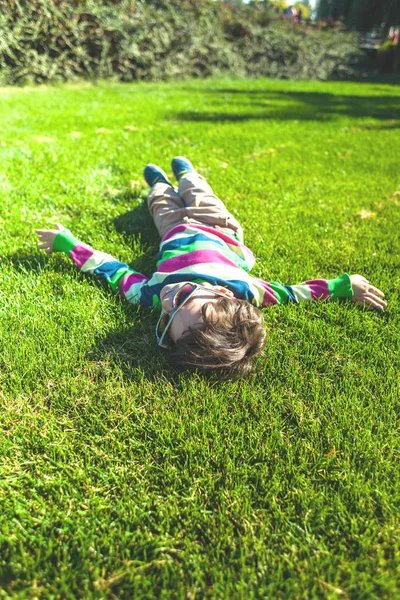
354 287
119 275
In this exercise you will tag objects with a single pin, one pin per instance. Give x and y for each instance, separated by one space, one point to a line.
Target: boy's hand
46 237
366 294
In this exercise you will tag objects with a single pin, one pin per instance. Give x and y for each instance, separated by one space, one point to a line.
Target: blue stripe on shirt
108 269
292 297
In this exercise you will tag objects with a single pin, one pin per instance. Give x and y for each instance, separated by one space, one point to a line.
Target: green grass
120 479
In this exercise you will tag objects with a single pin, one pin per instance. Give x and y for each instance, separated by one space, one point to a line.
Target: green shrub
289 52
50 40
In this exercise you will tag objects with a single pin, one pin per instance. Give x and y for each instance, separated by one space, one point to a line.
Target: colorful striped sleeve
121 278
314 289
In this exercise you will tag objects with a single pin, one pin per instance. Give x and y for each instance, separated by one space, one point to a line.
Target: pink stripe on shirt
269 296
174 231
224 236
129 280
197 257
80 254
319 289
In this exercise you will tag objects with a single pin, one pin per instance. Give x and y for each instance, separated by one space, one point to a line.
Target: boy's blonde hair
232 335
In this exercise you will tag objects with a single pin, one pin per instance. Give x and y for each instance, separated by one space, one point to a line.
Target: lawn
122 479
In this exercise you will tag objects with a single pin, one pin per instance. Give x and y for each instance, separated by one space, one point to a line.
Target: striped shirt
198 254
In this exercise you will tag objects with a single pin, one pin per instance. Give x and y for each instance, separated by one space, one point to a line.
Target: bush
286 51
50 40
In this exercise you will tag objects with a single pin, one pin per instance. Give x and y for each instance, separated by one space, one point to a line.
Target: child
209 317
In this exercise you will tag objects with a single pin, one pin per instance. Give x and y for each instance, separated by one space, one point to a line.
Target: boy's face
189 316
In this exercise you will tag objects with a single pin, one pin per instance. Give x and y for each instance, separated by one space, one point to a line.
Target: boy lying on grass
209 317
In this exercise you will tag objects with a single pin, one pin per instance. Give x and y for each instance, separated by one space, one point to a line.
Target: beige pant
194 202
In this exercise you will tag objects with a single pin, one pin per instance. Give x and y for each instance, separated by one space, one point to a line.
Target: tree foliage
49 40
361 15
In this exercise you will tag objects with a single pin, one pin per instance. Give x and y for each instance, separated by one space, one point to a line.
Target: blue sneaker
154 174
181 166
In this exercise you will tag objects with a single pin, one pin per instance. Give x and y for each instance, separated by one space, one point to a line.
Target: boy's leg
166 207
203 206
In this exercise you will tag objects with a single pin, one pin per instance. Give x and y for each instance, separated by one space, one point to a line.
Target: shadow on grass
295 105
132 349
138 222
135 353
25 263
381 79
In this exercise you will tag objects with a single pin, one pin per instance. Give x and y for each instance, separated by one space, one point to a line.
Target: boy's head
212 330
